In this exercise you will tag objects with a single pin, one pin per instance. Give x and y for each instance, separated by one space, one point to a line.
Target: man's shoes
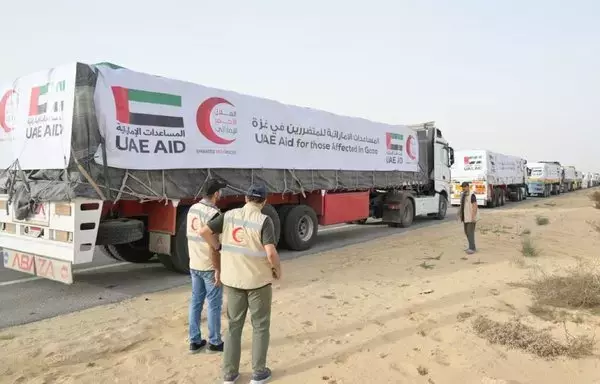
261 377
197 347
470 251
215 348
231 378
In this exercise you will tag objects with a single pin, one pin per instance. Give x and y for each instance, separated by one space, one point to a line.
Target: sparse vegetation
579 288
595 197
528 248
551 314
524 232
514 334
542 220
426 265
462 316
422 370
595 226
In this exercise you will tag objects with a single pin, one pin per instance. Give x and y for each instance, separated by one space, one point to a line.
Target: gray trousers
239 301
470 233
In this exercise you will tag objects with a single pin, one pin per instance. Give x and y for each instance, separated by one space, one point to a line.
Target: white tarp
495 168
36 116
152 123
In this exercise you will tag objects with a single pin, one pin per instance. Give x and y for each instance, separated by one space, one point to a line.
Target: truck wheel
300 228
408 214
283 211
496 198
119 231
130 253
442 208
519 194
502 197
270 211
179 260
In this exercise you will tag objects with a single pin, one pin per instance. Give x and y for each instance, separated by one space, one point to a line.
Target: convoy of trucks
53 219
125 154
494 177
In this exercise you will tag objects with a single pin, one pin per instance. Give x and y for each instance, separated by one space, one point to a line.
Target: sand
395 310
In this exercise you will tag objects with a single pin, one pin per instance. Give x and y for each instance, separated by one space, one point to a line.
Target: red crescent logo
409 147
3 124
203 120
234 234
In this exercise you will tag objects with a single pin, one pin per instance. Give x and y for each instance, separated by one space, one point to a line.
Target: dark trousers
470 233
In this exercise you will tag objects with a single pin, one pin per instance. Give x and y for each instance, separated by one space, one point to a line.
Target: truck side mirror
451 156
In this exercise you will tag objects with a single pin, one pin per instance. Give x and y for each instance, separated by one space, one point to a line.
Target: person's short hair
257 193
465 184
213 186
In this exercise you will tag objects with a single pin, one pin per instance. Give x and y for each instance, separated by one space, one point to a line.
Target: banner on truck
152 123
36 116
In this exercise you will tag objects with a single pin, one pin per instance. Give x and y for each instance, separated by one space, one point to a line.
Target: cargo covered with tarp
105 132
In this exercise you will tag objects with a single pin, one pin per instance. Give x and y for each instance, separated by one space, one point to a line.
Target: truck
494 177
578 180
545 178
569 179
103 157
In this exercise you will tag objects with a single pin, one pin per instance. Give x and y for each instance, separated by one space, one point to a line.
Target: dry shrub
541 220
578 288
515 335
595 197
528 249
595 226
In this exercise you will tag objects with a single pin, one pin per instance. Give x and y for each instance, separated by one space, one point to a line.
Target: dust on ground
403 309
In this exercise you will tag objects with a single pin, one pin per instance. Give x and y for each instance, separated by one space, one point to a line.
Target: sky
519 77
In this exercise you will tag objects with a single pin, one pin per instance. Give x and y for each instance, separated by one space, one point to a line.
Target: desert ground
407 308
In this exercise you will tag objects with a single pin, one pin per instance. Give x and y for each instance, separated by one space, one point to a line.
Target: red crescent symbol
234 234
3 102
409 149
203 120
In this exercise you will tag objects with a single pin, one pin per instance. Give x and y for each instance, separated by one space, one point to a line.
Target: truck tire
519 194
442 208
283 211
502 197
408 214
179 260
270 211
300 228
128 252
119 231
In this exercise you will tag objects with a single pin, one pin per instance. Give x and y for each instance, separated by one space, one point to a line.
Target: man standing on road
204 269
249 264
469 215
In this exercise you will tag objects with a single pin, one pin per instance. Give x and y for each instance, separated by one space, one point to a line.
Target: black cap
257 190
465 184
213 186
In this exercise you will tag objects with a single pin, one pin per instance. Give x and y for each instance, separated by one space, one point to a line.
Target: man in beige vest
469 215
249 263
204 270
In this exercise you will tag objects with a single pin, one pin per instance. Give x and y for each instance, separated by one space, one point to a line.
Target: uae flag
154 109
38 103
393 141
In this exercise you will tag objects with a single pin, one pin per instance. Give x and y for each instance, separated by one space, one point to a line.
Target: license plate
45 267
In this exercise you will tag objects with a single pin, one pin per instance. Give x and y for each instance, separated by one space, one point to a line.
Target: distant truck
569 179
578 180
494 177
545 178
595 179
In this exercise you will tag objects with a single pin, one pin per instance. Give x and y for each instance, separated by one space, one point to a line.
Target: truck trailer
103 156
494 177
569 179
545 178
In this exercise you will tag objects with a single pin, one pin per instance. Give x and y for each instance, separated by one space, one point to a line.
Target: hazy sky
514 76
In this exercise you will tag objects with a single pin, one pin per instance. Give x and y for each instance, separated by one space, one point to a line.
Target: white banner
150 122
36 117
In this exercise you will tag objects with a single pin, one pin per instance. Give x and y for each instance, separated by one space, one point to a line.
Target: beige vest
198 249
468 209
244 263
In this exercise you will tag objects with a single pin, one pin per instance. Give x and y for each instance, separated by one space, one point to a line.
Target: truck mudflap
54 237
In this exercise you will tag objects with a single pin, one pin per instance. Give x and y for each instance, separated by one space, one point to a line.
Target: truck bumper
536 188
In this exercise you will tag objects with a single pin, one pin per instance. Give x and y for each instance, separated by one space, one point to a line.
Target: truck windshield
536 172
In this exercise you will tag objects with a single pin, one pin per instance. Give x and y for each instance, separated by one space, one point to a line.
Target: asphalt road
25 299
